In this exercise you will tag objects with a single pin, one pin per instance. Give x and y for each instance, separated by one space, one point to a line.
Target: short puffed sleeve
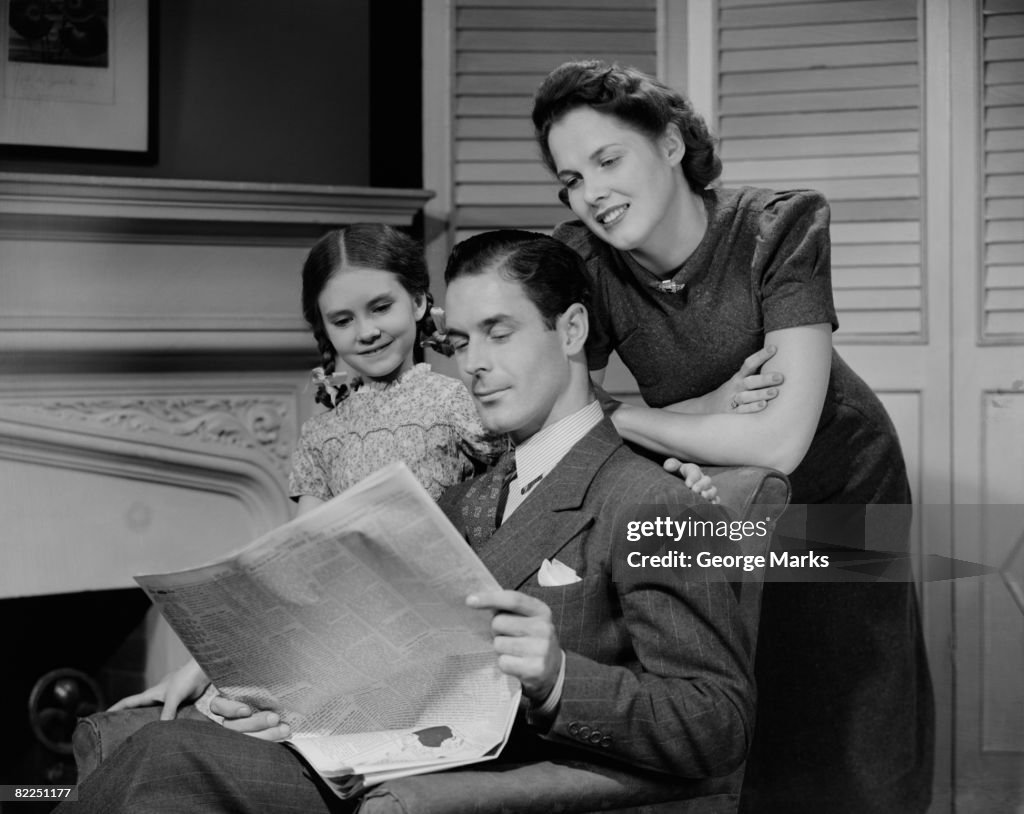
600 338
308 475
793 258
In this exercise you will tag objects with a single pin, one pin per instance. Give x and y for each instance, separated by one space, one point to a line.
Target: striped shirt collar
540 453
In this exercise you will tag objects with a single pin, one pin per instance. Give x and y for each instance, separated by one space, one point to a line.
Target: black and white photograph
488 406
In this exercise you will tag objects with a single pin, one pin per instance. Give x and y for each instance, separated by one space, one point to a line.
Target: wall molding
79 207
118 271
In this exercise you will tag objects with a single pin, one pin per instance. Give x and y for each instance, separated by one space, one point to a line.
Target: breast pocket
580 611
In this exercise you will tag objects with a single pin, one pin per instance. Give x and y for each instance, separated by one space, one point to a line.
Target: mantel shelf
143 209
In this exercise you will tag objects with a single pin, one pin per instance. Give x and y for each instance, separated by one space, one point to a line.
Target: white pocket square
553 573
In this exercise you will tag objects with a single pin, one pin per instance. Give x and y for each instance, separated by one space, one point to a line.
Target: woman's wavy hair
638 100
361 245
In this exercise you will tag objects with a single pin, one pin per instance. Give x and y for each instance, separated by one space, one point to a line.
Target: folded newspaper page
350 622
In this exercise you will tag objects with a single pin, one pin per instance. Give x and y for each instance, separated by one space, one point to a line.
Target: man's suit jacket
659 674
658 698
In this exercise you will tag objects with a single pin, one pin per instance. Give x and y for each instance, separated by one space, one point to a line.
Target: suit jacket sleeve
685 702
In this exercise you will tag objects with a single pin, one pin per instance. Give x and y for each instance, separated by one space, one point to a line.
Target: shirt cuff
546 711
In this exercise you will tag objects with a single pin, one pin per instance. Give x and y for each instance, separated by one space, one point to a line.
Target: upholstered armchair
746 493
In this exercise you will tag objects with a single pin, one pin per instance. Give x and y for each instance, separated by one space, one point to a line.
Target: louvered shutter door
827 95
1003 72
503 49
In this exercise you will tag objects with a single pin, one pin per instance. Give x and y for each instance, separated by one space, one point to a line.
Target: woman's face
371 321
622 184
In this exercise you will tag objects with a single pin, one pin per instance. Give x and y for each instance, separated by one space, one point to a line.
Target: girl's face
371 321
622 184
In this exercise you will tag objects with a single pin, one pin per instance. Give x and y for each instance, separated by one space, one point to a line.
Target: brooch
670 287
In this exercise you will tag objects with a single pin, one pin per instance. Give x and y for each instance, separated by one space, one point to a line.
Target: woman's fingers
753 363
751 407
752 401
762 381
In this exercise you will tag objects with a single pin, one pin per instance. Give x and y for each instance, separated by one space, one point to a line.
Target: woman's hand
184 684
777 438
746 391
241 717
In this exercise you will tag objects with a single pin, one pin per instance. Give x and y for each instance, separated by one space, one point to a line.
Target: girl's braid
328 357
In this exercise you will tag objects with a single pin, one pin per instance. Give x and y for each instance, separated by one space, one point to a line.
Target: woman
689 281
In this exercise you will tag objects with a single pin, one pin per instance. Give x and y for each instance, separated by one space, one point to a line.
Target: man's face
517 369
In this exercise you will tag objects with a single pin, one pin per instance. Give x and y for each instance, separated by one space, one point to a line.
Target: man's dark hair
553 275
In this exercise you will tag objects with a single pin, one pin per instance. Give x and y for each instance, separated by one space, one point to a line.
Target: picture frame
77 79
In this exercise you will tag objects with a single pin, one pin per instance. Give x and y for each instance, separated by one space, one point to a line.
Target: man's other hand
524 639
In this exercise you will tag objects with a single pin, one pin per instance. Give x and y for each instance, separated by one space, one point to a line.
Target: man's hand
242 718
184 684
524 639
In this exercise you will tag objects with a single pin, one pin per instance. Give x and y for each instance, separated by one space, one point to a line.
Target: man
638 686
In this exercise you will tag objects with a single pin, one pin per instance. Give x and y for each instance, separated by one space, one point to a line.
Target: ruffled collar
413 374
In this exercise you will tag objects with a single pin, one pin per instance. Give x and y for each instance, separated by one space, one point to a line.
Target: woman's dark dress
845 716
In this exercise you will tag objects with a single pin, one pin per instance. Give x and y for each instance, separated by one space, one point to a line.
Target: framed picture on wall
76 75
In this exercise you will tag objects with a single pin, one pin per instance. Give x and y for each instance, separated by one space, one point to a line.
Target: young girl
364 294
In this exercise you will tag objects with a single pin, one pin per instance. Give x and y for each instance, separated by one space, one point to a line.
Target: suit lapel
550 517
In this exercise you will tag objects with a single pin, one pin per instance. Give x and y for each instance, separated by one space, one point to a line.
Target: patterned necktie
510 475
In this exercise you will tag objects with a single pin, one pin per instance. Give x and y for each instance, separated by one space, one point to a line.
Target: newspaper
350 622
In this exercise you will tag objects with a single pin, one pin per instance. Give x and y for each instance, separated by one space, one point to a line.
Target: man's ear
575 325
672 145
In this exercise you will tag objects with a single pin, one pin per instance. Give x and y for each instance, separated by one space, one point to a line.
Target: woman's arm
778 437
748 390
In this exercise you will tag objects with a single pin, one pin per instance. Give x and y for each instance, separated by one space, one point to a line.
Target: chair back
756 494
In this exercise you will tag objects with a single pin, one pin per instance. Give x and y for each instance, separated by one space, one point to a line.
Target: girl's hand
240 717
693 477
746 391
184 684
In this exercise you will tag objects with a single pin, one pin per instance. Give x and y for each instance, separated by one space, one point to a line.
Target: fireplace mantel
154 367
107 271
82 207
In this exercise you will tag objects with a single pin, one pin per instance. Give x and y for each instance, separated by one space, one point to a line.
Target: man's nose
474 360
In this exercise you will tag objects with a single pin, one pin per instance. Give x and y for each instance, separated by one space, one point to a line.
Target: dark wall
396 94
258 90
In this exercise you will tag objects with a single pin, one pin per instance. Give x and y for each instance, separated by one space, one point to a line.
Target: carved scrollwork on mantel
100 488
264 424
